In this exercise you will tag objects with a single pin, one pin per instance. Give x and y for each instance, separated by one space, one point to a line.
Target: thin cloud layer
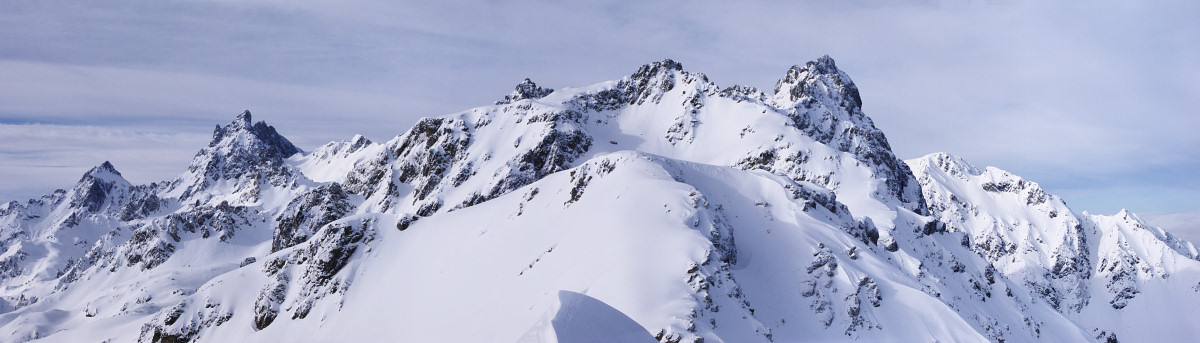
1186 225
1094 101
40 157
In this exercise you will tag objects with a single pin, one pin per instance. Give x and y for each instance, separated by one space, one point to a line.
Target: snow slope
655 207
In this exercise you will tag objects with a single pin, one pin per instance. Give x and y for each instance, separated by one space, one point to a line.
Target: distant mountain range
658 207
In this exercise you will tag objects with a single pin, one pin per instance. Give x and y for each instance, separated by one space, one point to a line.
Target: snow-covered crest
1086 266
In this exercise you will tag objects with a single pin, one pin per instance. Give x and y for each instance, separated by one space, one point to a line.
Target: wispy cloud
39 158
1184 225
167 102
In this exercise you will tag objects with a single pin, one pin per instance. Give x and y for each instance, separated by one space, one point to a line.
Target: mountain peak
525 90
817 80
652 69
104 172
665 64
260 131
1125 214
359 141
946 162
239 149
652 80
823 65
104 168
95 186
244 119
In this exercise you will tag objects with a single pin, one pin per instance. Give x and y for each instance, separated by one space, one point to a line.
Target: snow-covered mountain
657 207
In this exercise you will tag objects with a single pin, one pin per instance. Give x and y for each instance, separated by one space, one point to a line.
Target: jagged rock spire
652 80
825 104
525 90
816 80
260 131
101 170
94 187
244 118
666 65
241 149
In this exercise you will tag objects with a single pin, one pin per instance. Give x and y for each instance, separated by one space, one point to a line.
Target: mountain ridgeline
657 207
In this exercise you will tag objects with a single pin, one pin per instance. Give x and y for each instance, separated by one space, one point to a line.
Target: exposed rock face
824 103
93 190
307 213
525 90
240 152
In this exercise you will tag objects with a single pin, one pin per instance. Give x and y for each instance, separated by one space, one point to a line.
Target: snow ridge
1085 266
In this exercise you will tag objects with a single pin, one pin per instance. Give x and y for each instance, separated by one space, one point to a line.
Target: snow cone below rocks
656 207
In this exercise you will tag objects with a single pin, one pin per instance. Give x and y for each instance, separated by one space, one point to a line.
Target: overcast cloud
1097 102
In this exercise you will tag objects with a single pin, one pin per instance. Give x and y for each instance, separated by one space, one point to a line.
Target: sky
1095 101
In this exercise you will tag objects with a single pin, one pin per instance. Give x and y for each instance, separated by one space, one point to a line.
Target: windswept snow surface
657 207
